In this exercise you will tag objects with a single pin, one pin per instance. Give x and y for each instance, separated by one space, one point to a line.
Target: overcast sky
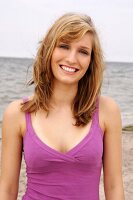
24 22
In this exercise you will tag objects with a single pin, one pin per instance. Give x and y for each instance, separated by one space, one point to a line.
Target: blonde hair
69 27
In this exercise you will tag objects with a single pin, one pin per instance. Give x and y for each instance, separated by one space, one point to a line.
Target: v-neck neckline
48 148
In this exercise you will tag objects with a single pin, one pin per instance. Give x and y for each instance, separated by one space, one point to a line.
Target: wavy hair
69 27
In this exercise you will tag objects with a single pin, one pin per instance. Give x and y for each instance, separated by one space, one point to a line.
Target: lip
67 72
71 67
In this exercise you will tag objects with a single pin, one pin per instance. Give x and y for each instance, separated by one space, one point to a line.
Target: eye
63 46
84 52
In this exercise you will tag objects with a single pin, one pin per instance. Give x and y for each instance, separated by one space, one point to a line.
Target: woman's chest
40 154
50 142
59 132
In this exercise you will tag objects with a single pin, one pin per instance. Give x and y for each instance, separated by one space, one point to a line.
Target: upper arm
112 156
11 147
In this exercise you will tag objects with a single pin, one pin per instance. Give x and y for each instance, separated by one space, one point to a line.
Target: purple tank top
74 175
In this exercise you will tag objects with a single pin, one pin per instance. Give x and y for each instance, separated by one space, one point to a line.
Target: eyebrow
83 47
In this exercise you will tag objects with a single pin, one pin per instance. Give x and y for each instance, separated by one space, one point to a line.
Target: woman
67 130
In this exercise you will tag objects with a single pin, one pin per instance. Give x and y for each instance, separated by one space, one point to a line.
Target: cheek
56 56
86 64
54 61
53 58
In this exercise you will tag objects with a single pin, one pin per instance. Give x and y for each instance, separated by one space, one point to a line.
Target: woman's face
70 61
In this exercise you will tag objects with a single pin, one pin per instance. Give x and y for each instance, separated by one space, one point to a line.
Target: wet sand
127 139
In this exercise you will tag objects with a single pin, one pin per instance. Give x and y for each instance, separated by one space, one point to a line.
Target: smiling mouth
69 69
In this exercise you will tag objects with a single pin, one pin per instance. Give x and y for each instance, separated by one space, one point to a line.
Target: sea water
118 83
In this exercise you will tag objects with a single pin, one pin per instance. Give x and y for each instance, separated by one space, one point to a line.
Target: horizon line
108 61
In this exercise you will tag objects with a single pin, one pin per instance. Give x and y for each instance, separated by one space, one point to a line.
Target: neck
63 95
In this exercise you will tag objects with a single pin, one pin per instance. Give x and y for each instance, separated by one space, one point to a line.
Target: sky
23 23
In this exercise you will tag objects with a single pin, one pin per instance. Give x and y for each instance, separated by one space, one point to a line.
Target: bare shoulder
108 104
13 116
110 111
13 109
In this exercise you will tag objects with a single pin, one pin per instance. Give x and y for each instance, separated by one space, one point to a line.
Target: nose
72 57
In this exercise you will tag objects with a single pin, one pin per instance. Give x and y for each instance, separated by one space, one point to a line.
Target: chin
66 82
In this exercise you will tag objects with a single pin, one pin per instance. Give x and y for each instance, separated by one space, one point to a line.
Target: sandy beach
127 141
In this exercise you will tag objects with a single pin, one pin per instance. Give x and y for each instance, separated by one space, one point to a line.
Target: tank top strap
27 114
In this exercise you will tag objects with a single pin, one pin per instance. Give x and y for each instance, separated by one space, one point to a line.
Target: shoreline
125 129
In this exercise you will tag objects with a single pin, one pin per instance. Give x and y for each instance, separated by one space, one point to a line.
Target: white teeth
68 69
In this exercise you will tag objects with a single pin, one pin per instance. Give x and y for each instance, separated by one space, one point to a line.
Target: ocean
118 83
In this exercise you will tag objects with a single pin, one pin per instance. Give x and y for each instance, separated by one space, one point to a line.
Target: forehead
85 40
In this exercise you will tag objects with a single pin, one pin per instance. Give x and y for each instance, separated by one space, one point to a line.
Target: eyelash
84 52
65 46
